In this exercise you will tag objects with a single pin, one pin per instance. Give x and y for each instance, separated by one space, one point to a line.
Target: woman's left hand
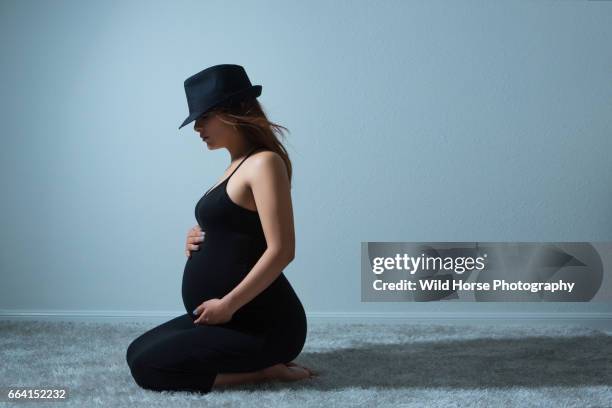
213 311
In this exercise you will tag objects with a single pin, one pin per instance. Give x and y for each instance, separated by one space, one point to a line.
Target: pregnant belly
219 266
210 274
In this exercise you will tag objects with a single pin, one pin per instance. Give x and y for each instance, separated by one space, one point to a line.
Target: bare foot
311 373
287 372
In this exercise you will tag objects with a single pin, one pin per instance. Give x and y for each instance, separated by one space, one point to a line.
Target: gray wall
410 121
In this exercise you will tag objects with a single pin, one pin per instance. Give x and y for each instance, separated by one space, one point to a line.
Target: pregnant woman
244 322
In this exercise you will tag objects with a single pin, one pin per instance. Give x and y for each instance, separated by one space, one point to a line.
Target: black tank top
216 213
233 243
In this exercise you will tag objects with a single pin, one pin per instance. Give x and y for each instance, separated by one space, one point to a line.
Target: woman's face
210 128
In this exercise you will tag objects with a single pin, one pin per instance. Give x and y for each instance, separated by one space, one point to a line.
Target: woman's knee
132 351
142 372
149 375
139 360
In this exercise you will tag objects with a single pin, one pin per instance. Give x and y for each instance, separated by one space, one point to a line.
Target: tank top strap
227 179
242 161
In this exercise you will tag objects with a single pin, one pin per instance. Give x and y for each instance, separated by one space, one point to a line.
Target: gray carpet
408 365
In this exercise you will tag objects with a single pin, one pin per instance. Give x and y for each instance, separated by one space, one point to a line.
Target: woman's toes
298 372
310 373
288 372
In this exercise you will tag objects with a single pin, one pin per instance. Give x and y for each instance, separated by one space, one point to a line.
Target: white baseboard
589 319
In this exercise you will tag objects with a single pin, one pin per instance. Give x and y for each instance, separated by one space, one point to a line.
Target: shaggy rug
382 365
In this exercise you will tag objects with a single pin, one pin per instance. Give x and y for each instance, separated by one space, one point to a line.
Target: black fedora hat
215 86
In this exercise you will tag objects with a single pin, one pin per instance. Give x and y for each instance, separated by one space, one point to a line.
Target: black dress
270 329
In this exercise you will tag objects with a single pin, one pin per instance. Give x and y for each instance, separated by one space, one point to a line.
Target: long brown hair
249 118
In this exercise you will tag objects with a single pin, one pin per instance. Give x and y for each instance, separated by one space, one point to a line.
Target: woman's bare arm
270 185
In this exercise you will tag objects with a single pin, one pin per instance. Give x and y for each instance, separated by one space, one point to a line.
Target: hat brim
254 91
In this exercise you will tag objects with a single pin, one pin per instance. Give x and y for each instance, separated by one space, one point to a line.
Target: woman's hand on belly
213 311
194 236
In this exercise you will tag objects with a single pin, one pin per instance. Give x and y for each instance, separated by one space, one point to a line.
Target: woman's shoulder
267 160
266 155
